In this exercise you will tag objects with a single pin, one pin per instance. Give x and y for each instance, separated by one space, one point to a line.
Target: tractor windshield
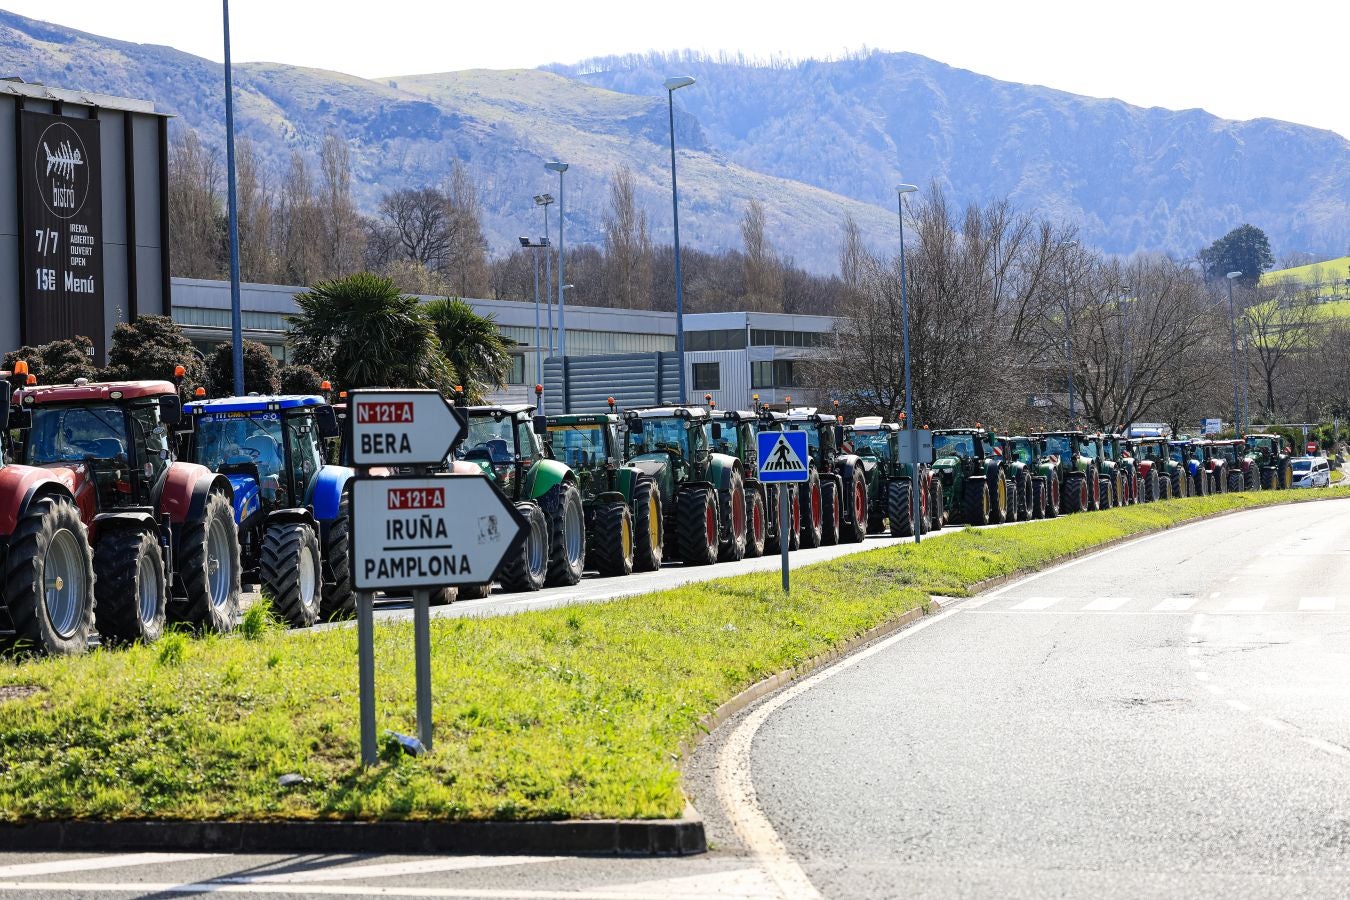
812 434
1060 445
240 438
872 443
959 445
1178 453
490 439
1021 451
728 441
580 447
659 434
1108 450
306 450
74 433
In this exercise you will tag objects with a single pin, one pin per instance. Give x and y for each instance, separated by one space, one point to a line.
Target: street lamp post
560 168
544 200
673 85
1068 329
917 488
1129 350
236 312
538 352
1232 329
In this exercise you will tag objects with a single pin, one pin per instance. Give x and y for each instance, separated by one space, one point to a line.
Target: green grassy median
575 712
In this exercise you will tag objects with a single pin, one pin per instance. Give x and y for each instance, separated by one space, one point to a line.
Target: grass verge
575 712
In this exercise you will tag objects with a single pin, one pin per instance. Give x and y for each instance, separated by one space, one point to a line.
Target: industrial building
729 355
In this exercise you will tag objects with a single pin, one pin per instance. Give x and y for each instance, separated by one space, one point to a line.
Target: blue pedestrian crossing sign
783 456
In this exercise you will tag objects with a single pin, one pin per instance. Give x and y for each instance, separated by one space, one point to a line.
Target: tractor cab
873 439
732 431
590 446
669 438
824 434
504 442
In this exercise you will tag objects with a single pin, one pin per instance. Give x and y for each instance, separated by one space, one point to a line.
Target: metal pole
538 360
562 301
785 492
236 315
1068 338
422 663
909 392
679 283
365 659
548 284
1232 328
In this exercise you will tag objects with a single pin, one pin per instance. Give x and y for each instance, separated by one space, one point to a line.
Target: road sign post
415 532
783 459
916 449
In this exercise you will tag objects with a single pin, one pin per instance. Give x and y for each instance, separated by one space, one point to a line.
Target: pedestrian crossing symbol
783 456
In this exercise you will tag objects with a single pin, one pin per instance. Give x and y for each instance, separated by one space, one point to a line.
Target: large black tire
900 513
1200 483
649 527
811 500
731 508
696 526
527 569
1150 487
1105 495
130 587
1252 479
1181 484
207 598
1164 488
48 521
975 501
443 596
289 569
773 522
1075 497
479 591
1235 483
1038 498
1286 475
1026 496
755 524
566 533
339 596
612 546
938 514
999 501
831 516
794 517
855 501
1054 497
1268 480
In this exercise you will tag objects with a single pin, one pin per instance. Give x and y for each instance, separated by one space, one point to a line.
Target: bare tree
299 226
196 210
628 247
342 250
257 260
1281 325
412 227
763 271
466 261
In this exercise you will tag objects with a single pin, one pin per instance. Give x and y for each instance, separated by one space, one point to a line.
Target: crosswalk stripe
1175 604
1245 604
1316 604
1038 603
1106 604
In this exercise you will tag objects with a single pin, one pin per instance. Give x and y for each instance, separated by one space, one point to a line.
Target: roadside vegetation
574 712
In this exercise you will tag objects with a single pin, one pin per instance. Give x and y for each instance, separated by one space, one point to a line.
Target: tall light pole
673 85
1232 329
1068 327
560 168
916 488
544 200
1124 305
527 244
236 313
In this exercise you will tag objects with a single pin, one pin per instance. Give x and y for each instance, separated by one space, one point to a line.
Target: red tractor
165 545
47 592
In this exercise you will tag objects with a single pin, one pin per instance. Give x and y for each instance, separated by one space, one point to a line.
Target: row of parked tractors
123 509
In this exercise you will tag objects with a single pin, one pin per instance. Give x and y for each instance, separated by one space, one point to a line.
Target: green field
575 712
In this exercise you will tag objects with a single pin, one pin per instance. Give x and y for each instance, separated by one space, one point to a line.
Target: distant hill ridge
813 140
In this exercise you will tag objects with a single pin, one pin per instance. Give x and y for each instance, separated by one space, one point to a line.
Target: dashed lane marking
91 863
1245 604
1316 604
1106 604
1036 603
1175 604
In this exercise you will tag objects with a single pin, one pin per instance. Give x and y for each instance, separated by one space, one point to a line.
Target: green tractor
1022 457
703 492
505 443
624 527
975 478
890 483
1274 459
1154 466
1073 463
841 487
732 432
1117 471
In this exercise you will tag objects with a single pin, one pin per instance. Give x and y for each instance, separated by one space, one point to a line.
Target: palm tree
475 349
362 332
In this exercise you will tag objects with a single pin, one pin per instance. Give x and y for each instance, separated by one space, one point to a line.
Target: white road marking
1272 722
1036 603
1326 746
742 884
1316 604
142 889
390 870
1245 604
1175 604
735 787
90 863
1106 604
1238 705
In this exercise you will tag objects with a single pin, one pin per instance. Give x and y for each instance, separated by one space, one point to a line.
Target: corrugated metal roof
84 98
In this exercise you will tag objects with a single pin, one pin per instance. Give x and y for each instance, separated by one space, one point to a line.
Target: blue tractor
291 506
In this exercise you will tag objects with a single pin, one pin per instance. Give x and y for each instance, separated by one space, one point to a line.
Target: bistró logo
61 169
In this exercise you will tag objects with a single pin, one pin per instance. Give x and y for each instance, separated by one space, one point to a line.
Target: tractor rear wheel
566 533
49 579
1075 493
696 526
208 568
794 518
1054 498
900 512
975 502
1251 479
1268 478
129 585
612 544
1150 488
855 499
339 597
527 569
731 520
1201 483
755 525
290 571
938 518
1037 498
1234 482
831 516
1105 493
1286 475
811 500
474 591
1026 509
649 527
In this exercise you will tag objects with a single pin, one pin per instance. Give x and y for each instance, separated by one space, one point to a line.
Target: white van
1311 471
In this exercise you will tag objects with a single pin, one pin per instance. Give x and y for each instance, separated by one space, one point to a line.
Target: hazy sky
1235 58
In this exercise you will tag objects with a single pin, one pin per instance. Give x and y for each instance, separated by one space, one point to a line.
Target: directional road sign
783 456
433 531
390 428
922 441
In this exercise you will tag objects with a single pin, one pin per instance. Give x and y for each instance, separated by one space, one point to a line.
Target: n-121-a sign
392 427
429 532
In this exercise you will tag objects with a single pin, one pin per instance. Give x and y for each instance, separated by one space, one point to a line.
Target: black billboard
62 229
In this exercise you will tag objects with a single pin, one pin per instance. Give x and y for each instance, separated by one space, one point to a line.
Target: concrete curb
611 837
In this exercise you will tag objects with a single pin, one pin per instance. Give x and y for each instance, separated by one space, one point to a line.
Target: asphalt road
1163 719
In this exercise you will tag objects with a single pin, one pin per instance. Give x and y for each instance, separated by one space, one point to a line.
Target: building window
517 373
772 337
707 376
777 373
761 373
720 339
784 374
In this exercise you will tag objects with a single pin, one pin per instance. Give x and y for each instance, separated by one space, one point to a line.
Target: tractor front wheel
935 505
855 495
1105 494
696 526
998 499
49 579
649 527
339 597
899 509
290 571
1234 482
567 533
975 502
129 585
208 568
612 547
1076 493
831 516
731 516
810 497
755 526
527 569
1038 498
